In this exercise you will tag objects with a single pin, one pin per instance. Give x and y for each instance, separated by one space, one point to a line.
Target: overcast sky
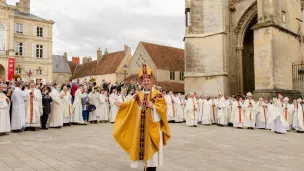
81 26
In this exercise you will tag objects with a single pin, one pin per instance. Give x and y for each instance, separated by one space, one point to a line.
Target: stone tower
24 6
243 45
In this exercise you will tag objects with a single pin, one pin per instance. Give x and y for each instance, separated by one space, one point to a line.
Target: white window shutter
25 29
45 32
15 47
45 53
34 50
34 31
16 27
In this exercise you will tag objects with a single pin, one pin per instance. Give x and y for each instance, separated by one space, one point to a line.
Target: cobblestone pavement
92 147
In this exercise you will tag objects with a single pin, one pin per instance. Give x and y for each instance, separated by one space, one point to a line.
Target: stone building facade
242 45
28 39
166 62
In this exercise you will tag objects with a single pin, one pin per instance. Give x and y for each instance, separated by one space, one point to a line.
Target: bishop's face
146 83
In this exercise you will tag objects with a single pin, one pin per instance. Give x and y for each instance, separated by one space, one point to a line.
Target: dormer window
19 28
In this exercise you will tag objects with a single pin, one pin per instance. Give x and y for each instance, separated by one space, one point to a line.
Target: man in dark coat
46 103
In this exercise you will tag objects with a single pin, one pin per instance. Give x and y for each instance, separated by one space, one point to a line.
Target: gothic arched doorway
248 58
2 72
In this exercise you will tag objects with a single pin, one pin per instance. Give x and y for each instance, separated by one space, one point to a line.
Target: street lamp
125 68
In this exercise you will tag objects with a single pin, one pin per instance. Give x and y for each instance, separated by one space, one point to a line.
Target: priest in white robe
5 125
237 114
295 107
206 112
77 116
94 116
221 110
18 110
229 104
33 108
261 113
299 126
56 115
191 111
270 113
179 109
130 96
171 111
279 124
104 106
249 112
213 104
113 108
66 106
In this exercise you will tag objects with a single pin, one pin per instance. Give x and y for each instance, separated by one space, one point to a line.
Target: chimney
76 60
99 55
106 52
65 55
84 60
127 49
24 6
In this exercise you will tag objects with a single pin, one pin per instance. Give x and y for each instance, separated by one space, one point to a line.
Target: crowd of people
237 111
28 106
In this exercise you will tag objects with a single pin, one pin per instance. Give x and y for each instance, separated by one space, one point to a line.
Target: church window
40 31
19 49
39 71
39 51
19 28
181 76
188 17
172 75
283 16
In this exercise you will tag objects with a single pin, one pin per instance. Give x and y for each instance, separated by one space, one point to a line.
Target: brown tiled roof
109 63
171 86
166 57
72 66
84 70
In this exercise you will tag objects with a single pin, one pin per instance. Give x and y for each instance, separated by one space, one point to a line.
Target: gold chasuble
134 129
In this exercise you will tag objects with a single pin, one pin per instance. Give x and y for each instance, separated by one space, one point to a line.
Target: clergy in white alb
294 108
206 112
191 111
249 112
77 117
279 124
299 126
237 116
56 115
229 104
271 111
94 116
18 110
5 125
113 108
104 106
213 103
179 109
171 111
221 110
34 107
66 106
261 114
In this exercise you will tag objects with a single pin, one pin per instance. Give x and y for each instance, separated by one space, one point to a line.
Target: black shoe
69 124
44 128
33 129
151 169
26 129
195 125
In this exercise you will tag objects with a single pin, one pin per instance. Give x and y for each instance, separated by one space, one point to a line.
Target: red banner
11 68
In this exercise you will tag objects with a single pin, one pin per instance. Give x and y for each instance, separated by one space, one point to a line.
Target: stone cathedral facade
243 45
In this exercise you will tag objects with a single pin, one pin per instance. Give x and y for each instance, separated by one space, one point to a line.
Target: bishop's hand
117 103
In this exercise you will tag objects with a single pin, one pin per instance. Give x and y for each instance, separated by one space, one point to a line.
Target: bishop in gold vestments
141 125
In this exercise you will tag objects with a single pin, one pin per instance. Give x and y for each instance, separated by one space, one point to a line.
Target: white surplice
5 125
77 108
300 118
157 158
261 114
94 99
104 107
32 117
171 111
213 104
222 111
113 108
66 106
18 109
56 115
206 112
191 112
279 124
237 116
249 113
178 109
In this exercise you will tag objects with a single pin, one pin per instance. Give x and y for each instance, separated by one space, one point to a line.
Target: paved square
92 148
